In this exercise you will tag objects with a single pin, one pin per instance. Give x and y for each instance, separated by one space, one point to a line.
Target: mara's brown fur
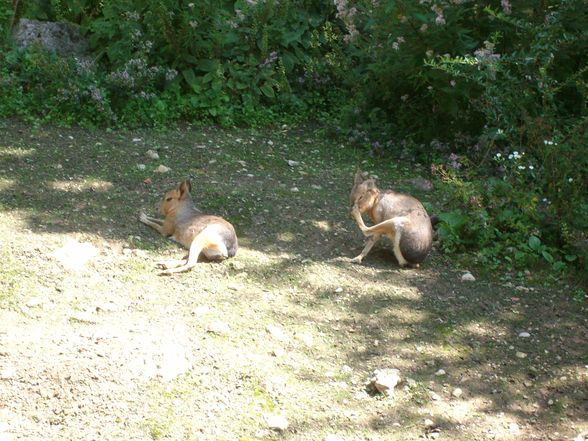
200 233
398 216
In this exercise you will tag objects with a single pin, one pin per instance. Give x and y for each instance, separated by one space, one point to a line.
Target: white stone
524 334
385 380
276 332
521 354
339 290
141 167
34 301
7 373
162 169
457 392
152 154
468 277
293 163
514 429
277 422
201 310
218 327
440 372
294 190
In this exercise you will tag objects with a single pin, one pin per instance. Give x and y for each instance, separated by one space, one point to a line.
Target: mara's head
174 198
364 192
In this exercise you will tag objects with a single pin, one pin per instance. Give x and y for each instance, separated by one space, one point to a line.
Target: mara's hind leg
386 227
369 244
399 231
207 239
216 251
172 263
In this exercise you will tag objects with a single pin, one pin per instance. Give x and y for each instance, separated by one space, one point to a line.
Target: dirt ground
96 345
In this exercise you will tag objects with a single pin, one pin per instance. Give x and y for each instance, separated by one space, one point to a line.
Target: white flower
452 82
498 155
570 179
510 156
531 167
521 167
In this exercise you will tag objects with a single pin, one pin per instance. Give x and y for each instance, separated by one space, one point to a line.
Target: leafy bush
472 84
232 58
38 83
244 62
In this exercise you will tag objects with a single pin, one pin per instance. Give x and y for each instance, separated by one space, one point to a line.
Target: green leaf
548 257
534 243
207 65
230 38
191 79
289 61
267 91
292 36
455 219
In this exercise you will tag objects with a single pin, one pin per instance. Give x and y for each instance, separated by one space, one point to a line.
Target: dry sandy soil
95 345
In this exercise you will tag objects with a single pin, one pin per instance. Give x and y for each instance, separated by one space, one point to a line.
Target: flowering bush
470 81
231 59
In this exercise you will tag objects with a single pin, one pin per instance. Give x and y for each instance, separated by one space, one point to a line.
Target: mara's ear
370 184
185 187
359 177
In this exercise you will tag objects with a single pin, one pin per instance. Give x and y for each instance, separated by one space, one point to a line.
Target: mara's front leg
156 224
369 244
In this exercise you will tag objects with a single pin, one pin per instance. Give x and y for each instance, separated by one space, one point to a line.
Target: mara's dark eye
168 199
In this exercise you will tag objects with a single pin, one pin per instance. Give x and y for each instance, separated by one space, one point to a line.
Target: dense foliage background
491 94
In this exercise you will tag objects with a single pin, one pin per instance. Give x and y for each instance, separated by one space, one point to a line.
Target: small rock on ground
219 328
277 422
385 380
468 277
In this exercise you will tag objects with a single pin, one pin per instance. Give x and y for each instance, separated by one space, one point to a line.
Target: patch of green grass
157 429
263 400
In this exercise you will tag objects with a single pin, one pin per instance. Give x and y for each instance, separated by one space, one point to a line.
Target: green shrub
233 58
36 83
469 84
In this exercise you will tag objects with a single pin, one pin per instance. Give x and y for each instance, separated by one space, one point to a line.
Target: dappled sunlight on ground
288 327
78 186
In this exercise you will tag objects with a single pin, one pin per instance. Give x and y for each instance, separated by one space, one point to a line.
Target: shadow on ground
443 334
